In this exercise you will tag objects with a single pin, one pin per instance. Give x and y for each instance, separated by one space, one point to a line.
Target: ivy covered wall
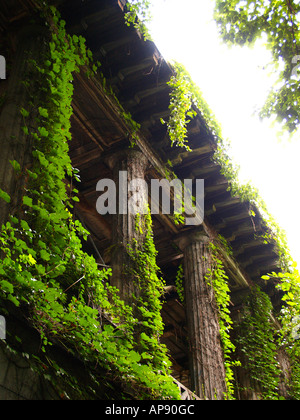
44 273
58 293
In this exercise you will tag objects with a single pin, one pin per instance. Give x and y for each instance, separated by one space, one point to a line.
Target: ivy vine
179 283
247 193
186 100
257 341
217 279
145 273
138 14
288 284
180 107
43 269
67 298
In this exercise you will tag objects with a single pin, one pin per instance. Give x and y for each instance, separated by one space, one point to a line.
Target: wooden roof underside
139 75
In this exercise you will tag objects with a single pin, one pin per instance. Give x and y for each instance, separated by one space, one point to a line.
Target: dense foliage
144 274
43 269
181 111
66 297
261 338
138 14
257 341
242 22
218 280
186 101
288 284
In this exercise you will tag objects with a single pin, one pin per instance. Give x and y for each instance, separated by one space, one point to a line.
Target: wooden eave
139 74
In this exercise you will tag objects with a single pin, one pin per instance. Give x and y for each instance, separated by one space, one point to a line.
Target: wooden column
128 166
14 143
206 355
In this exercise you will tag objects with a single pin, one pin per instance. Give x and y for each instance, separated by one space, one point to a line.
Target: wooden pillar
14 143
127 224
206 356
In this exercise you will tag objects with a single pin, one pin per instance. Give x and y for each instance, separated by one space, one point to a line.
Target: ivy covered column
14 144
206 355
128 223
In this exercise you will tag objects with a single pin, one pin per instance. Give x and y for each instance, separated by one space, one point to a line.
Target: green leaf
15 165
27 201
45 255
56 68
24 113
44 214
40 269
32 174
4 196
25 130
147 356
134 356
43 112
14 219
6 286
14 300
42 244
43 132
31 260
25 225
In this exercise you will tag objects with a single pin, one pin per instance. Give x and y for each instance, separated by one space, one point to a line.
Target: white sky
234 83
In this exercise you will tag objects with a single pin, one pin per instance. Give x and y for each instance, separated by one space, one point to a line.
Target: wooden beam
92 217
88 128
234 270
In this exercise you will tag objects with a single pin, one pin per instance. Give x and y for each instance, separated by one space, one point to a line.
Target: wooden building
100 148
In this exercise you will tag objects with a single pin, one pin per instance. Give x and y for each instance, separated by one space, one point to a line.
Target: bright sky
234 83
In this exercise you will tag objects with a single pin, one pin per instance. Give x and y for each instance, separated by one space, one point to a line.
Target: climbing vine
138 14
217 279
185 98
248 194
145 274
43 269
257 341
179 283
65 296
260 340
180 107
288 284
